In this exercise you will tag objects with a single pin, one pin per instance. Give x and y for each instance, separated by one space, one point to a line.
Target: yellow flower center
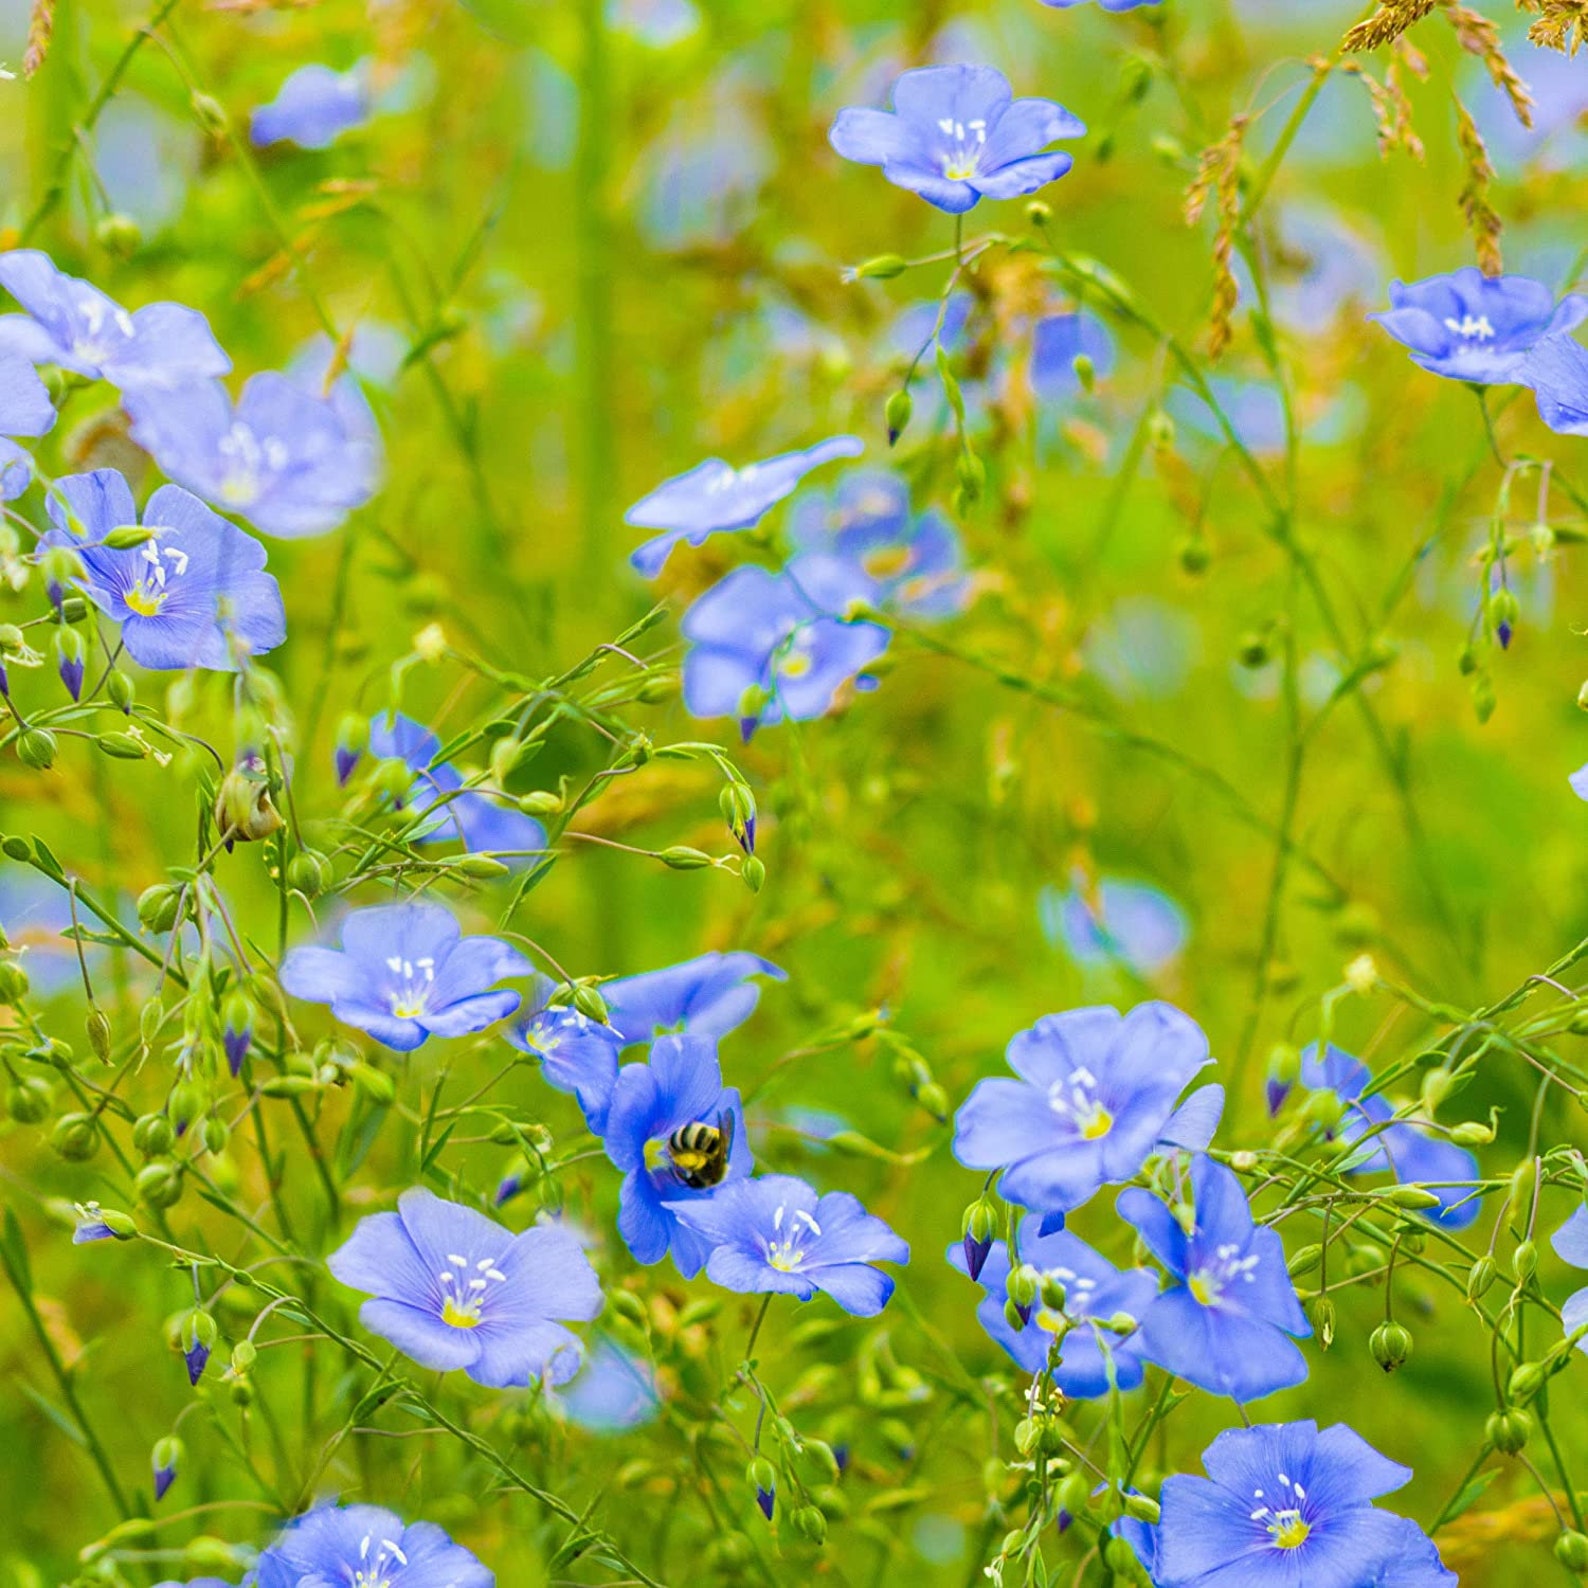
887 561
1289 1530
459 1317
1204 1290
144 601
1099 1125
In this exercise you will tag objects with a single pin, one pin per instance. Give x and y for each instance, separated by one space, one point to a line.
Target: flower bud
13 982
976 1233
897 414
1142 1508
810 1521
1469 1133
159 1183
680 857
244 1354
1391 1344
1524 1261
75 1137
118 686
71 657
165 1459
309 873
754 873
36 748
352 736
883 268
1321 1311
99 1035
1526 1381
152 1136
1571 1550
1015 1316
28 1102
737 804
208 112
119 234
588 1001
1504 611
199 1334
1508 1431
1480 1276
763 1478
158 905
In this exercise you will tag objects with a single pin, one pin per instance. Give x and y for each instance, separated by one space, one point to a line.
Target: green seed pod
36 748
118 686
1024 1285
375 1084
1303 1260
1143 1509
1469 1133
215 1136
75 1137
1321 1310
13 982
209 113
1526 1381
74 608
810 1521
152 1136
1508 1431
122 746
1013 1316
588 1001
1524 1261
481 867
1391 1344
157 907
1571 1550
119 234
1481 1275
540 802
99 1034
159 1184
244 1354
28 1102
754 873
309 873
883 268
680 857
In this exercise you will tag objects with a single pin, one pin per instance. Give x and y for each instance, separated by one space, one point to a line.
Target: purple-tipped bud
841 1455
352 735
237 1032
165 1459
197 1357
1503 634
1275 1093
199 1334
976 1251
766 1499
509 1188
346 760
71 658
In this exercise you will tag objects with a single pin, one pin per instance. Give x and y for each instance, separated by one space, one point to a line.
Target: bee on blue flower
957 135
1413 1155
483 823
715 497
405 973
764 647
652 1136
1471 327
1096 1095
72 324
453 1289
709 995
25 410
905 562
776 1234
1226 1321
367 1546
291 461
1093 1292
195 594
577 1055
1286 1504
313 108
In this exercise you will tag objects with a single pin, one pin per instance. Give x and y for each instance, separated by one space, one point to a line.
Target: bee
699 1152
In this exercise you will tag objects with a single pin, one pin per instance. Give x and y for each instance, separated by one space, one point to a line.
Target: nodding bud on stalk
1023 1288
588 1001
1526 1381
763 1476
976 1231
237 1032
118 686
352 735
71 657
199 1334
737 804
98 1028
1509 1431
1524 1261
1284 1070
158 906
165 1459
1571 1550
1503 614
1481 1275
36 748
897 414
1391 1344
309 873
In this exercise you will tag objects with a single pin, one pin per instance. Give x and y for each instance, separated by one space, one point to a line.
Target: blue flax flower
1114 922
25 410
195 594
1412 1154
1286 1504
709 995
1094 1291
577 1055
405 972
765 646
483 823
680 1086
776 1234
291 461
1472 327
1571 1246
72 324
313 108
453 1289
1096 1095
613 1391
957 135
1225 1322
903 561
365 1546
1557 370
715 496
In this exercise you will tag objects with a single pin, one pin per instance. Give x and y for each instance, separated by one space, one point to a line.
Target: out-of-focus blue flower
1095 1097
654 22
909 563
1478 328
453 1289
1415 1156
365 1544
916 325
313 108
1226 1321
709 995
714 496
577 1055
290 461
776 1234
405 972
1571 1246
1094 1291
35 915
1557 370
613 1391
72 324
483 823
957 135
1107 5
1285 1504
1116 922
1058 340
195 594
766 646
681 1086
25 410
